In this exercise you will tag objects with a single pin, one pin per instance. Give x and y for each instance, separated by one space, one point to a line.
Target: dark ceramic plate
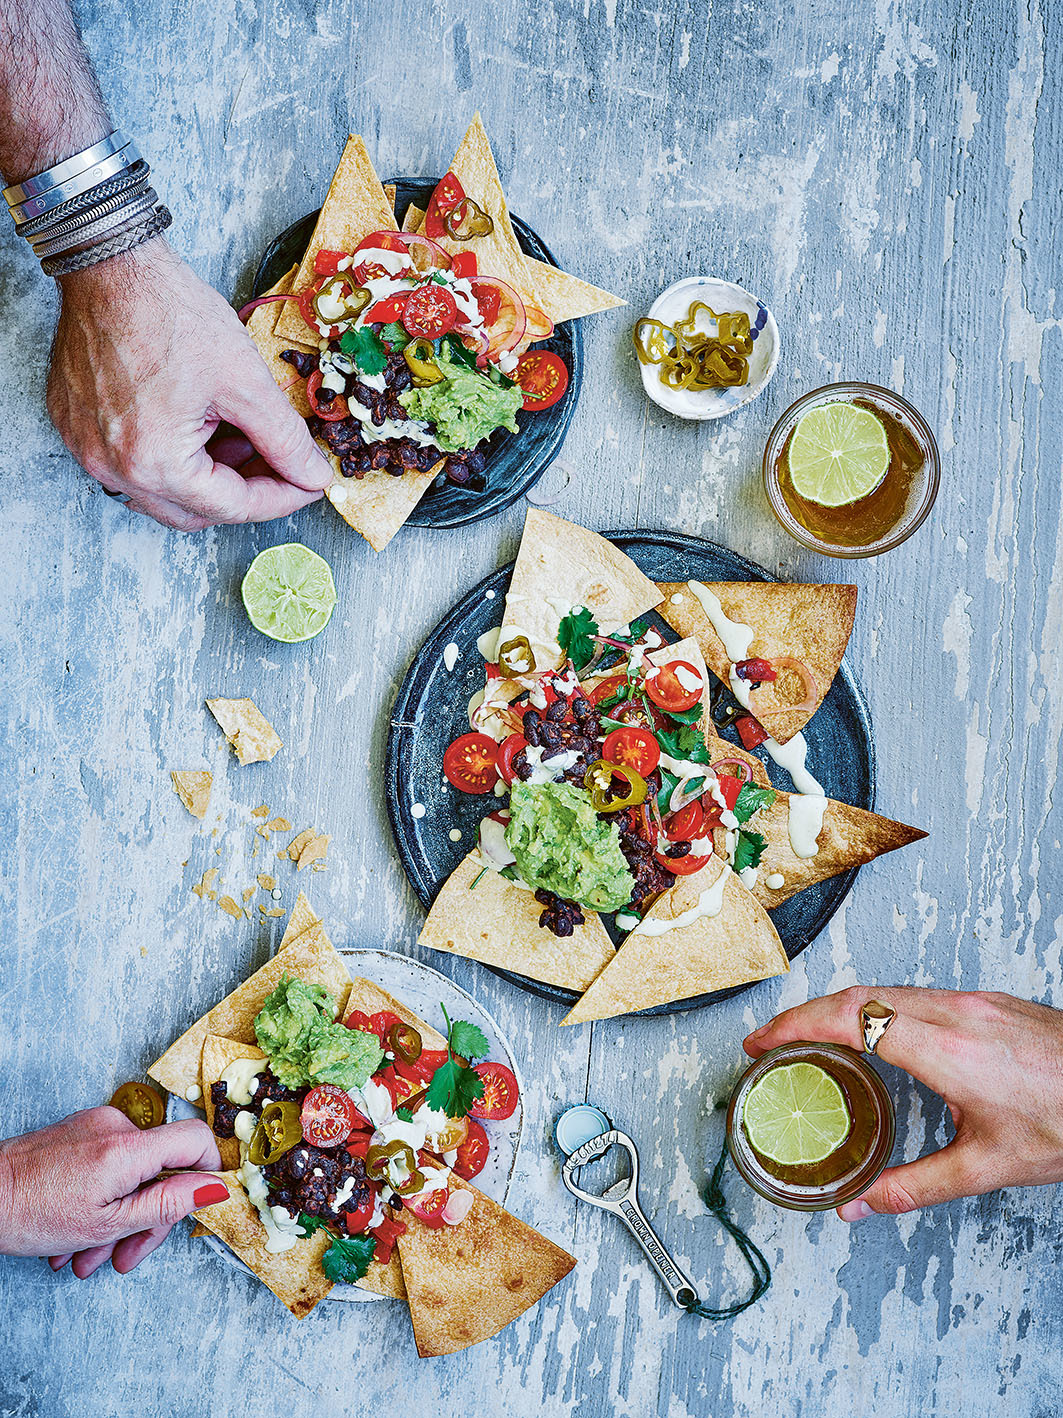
431 708
515 462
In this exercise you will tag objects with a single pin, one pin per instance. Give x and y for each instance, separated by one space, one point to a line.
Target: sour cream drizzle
709 903
808 804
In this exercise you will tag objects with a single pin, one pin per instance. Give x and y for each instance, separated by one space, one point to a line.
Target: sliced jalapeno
378 1162
279 1129
420 357
614 786
515 658
353 299
405 1043
467 221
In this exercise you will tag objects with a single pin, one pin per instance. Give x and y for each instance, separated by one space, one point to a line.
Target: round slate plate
515 462
431 710
422 990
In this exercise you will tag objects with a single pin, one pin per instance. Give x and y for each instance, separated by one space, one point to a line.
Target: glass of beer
810 1126
851 470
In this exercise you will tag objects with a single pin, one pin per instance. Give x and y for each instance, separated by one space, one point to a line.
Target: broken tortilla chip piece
252 736
464 1283
218 1053
294 1276
260 325
309 846
703 934
192 786
497 923
310 956
559 567
355 205
809 625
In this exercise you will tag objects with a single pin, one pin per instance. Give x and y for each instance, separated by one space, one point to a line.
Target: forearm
50 102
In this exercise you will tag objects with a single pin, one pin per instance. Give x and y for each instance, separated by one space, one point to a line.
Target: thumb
940 1176
168 1200
261 411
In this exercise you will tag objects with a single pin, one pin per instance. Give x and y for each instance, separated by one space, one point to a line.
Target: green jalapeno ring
279 1129
599 779
519 646
420 357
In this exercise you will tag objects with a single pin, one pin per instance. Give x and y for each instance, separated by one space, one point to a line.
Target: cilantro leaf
394 336
668 785
404 1115
468 1040
751 799
454 1089
459 352
365 348
348 1258
749 849
687 716
687 742
574 636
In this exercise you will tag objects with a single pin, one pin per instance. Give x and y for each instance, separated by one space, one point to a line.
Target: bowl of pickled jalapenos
705 348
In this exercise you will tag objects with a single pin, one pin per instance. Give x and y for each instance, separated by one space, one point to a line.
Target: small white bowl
671 305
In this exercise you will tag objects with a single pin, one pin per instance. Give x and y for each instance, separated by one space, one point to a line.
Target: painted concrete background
886 177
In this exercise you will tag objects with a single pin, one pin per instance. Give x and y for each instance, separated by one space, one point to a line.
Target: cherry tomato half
470 763
686 824
386 312
383 241
328 1115
511 746
140 1103
331 412
399 1087
309 314
327 263
429 1207
668 692
422 1070
634 748
608 689
448 193
429 312
543 377
473 1152
681 866
500 1092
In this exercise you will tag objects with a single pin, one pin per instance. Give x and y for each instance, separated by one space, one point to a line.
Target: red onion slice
808 679
245 310
746 773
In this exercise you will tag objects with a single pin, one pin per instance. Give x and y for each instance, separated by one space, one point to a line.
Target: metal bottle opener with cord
584 1134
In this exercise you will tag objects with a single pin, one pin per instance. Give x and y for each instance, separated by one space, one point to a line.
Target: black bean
557 711
304 364
678 849
551 736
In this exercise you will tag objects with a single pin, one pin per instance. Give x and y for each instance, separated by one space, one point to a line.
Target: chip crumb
192 786
283 852
261 811
203 887
229 906
274 911
254 854
267 883
252 736
144 950
312 850
280 824
248 893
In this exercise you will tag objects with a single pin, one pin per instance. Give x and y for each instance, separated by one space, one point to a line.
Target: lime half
838 454
289 593
796 1114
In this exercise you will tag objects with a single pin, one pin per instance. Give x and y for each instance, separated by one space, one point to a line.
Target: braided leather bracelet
94 225
159 220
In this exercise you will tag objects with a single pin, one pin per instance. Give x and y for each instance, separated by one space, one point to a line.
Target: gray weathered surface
888 180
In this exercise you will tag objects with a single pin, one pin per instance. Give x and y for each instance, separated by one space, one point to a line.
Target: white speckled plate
423 990
672 304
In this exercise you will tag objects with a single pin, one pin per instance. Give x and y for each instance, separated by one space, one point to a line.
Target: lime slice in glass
796 1114
838 454
289 593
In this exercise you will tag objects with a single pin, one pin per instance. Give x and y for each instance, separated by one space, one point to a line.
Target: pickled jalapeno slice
405 1043
279 1129
515 658
614 786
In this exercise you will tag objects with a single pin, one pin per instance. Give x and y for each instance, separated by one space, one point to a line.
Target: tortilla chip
808 623
370 998
199 1230
389 192
560 566
355 205
192 786
377 505
737 945
498 924
311 957
465 1283
294 1276
302 918
218 1053
499 252
559 295
252 736
270 346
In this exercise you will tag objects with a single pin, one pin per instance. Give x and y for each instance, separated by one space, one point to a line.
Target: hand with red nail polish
88 1190
996 1060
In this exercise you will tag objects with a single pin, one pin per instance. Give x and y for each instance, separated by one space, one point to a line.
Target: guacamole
295 1027
561 843
465 406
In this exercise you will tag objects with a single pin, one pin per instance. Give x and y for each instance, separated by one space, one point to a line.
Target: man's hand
996 1060
76 1188
148 360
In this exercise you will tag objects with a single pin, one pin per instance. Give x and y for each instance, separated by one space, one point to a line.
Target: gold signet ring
875 1019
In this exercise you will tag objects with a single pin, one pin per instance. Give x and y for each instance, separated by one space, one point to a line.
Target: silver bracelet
89 207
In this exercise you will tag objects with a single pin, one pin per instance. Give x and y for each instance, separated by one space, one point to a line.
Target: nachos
409 351
619 799
349 1131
